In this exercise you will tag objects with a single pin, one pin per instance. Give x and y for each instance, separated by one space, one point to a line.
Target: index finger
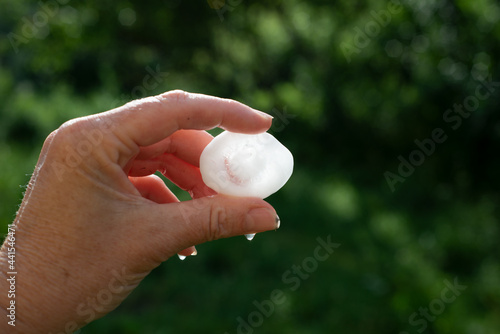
152 119
184 144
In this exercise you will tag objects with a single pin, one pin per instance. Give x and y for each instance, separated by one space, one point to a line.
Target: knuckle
177 96
78 139
49 139
218 223
66 134
233 103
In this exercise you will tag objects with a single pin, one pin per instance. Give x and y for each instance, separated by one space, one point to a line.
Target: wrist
27 295
13 320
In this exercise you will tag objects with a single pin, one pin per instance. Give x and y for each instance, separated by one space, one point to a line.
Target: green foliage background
347 120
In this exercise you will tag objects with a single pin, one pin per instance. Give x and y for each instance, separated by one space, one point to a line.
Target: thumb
180 225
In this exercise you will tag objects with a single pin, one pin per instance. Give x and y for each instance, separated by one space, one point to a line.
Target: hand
95 221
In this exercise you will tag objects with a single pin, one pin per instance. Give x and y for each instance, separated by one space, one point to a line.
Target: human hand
95 221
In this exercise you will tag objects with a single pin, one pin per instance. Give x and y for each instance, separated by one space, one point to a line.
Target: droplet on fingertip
194 253
278 222
182 257
249 236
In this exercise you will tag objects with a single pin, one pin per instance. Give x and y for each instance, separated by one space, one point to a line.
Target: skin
95 221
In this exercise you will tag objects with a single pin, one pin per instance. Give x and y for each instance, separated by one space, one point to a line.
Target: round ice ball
246 165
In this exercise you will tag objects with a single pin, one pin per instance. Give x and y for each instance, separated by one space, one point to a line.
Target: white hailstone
246 165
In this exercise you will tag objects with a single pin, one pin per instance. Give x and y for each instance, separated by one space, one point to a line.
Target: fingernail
260 220
266 116
250 236
182 257
278 222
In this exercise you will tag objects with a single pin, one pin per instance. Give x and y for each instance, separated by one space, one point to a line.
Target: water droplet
249 236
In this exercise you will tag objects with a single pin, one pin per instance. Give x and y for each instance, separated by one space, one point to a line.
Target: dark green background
346 120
